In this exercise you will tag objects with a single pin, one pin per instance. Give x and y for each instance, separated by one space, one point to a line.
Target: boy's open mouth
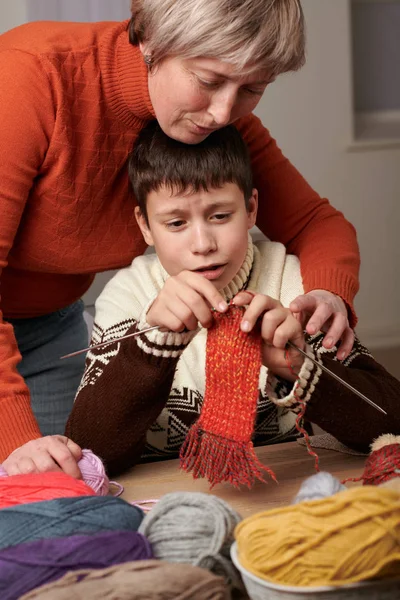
211 272
210 268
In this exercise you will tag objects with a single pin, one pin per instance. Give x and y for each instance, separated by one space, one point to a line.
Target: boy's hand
320 310
185 301
50 453
278 326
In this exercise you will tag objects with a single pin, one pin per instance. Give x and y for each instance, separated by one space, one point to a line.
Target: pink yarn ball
93 473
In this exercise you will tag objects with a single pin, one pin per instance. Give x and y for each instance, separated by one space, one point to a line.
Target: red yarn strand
301 414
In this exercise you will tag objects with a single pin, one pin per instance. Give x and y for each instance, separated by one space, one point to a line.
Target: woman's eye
253 92
208 84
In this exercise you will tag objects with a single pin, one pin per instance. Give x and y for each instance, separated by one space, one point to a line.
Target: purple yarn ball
28 566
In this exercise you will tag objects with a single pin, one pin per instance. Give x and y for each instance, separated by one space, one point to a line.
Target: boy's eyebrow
175 212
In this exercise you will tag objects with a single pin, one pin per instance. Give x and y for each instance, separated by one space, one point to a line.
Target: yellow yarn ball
349 537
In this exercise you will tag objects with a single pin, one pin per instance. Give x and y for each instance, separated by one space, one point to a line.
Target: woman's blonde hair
250 34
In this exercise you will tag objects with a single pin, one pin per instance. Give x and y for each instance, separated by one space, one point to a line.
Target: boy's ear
252 207
143 226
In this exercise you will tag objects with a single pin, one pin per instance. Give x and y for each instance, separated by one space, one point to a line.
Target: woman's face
193 97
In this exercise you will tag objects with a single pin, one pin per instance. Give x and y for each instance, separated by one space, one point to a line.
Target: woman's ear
252 207
143 48
143 226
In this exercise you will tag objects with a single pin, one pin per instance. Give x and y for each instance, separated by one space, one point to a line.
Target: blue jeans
52 382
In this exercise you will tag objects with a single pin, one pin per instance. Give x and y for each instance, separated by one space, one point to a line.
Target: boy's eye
177 224
221 216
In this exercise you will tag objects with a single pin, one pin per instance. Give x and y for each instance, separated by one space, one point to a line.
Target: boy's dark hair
157 160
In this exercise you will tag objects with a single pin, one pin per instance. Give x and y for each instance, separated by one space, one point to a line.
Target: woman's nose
221 107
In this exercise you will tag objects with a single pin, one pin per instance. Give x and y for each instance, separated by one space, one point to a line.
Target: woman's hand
50 453
278 326
320 310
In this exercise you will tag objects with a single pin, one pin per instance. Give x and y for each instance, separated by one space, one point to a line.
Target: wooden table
290 463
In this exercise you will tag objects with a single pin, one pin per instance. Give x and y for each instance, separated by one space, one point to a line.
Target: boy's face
205 232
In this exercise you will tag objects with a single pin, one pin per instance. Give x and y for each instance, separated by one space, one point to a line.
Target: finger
271 321
301 317
196 308
168 314
179 315
346 344
336 329
60 453
27 465
43 461
75 450
318 319
258 306
243 298
303 303
11 466
206 289
289 329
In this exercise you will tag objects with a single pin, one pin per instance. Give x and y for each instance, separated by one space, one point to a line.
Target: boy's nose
203 242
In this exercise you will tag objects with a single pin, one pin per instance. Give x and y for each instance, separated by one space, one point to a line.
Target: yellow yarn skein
349 537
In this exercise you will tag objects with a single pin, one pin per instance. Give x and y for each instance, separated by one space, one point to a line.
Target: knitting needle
124 337
130 335
350 387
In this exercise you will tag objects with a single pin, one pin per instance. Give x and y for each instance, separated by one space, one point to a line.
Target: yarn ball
35 487
346 538
194 528
318 486
150 579
66 516
28 566
383 464
93 473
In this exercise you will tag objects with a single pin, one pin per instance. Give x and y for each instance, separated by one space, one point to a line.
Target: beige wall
12 13
310 113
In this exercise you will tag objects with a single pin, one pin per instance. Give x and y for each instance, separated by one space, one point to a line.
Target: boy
139 398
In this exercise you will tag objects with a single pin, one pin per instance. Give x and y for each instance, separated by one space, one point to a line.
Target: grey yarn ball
318 486
193 528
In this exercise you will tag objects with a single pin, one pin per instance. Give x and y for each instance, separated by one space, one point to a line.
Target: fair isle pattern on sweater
182 411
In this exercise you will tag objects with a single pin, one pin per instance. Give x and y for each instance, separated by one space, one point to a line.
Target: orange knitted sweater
73 98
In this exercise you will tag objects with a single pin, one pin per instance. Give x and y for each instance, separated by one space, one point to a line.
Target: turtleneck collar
239 282
241 279
125 77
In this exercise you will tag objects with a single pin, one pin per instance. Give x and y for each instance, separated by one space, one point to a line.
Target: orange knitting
73 98
218 446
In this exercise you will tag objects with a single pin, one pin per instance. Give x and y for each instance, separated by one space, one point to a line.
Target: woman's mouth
201 130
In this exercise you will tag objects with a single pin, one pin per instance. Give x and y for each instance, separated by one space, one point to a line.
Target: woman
72 101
